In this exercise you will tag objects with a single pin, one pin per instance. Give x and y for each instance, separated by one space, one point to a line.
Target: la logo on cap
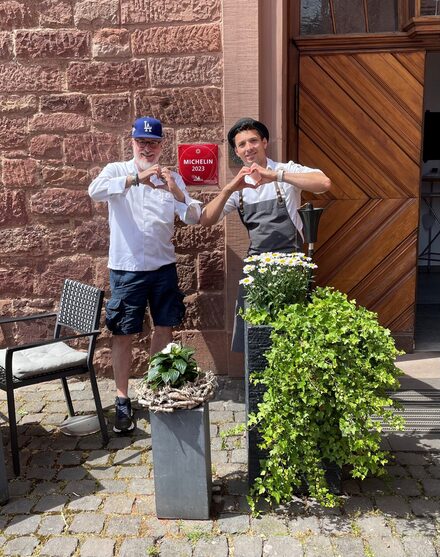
147 127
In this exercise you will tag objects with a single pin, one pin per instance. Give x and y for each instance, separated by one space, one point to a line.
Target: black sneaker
124 415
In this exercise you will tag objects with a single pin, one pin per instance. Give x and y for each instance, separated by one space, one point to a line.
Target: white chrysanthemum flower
248 269
247 280
251 259
262 270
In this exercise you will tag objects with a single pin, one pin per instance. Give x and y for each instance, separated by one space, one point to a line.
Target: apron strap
280 198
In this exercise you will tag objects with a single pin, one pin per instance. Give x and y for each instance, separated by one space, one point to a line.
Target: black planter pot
257 343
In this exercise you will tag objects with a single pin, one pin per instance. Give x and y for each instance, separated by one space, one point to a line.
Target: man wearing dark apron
267 195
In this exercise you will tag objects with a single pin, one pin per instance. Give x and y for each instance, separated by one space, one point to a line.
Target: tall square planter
4 492
182 463
257 342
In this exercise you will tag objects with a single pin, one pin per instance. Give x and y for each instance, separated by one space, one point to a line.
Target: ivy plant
173 366
329 371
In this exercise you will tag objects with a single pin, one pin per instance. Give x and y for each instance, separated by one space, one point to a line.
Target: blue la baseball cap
147 127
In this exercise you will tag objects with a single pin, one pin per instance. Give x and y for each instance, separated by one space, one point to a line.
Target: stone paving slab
76 498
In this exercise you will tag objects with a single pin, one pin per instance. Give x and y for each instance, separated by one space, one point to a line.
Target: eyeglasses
147 143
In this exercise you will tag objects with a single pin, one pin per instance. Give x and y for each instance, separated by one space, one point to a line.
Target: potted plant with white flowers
176 392
323 383
273 280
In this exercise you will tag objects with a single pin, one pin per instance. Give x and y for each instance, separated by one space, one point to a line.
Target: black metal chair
46 360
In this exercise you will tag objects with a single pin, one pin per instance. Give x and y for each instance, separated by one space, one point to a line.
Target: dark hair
245 124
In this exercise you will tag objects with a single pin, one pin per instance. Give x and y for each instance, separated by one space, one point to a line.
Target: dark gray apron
270 228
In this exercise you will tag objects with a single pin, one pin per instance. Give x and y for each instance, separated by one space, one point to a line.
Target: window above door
340 17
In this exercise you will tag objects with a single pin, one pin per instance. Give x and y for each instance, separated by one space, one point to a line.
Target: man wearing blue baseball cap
143 198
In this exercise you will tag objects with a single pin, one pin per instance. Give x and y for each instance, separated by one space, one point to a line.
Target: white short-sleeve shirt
291 194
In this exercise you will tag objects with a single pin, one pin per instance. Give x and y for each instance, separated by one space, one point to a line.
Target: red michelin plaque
198 164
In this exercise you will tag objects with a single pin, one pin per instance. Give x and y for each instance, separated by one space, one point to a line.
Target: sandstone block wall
73 76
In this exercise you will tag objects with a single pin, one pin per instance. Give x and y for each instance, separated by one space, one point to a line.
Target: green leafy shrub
329 370
276 279
173 366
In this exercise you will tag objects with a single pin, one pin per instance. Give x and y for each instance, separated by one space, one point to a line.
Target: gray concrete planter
4 492
182 463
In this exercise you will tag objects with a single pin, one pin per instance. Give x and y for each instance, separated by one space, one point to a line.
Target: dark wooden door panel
360 121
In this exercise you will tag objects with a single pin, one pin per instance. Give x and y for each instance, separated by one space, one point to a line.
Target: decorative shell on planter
174 381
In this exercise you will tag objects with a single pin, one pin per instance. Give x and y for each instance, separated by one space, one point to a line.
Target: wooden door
360 119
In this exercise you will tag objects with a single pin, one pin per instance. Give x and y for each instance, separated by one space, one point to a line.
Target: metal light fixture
310 218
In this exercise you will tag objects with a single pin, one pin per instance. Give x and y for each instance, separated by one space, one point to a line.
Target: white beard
141 164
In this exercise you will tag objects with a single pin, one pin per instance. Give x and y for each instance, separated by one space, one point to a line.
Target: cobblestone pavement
76 498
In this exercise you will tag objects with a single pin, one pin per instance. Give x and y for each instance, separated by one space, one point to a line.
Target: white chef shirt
265 192
141 218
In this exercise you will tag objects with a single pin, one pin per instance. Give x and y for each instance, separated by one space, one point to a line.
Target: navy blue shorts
134 291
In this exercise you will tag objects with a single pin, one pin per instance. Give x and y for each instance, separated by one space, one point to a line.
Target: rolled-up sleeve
188 211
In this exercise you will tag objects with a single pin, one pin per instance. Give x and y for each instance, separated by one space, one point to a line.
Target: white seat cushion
44 359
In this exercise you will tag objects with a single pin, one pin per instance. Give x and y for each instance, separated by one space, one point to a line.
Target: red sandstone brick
20 173
146 11
52 43
46 147
15 15
200 134
16 281
60 121
29 239
181 39
78 267
6 48
28 331
211 271
212 349
97 148
112 109
111 43
60 202
65 176
55 13
91 236
182 106
169 71
101 276
75 102
22 104
13 133
97 12
59 240
103 362
186 270
12 208
190 238
105 76
206 9
204 312
15 78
